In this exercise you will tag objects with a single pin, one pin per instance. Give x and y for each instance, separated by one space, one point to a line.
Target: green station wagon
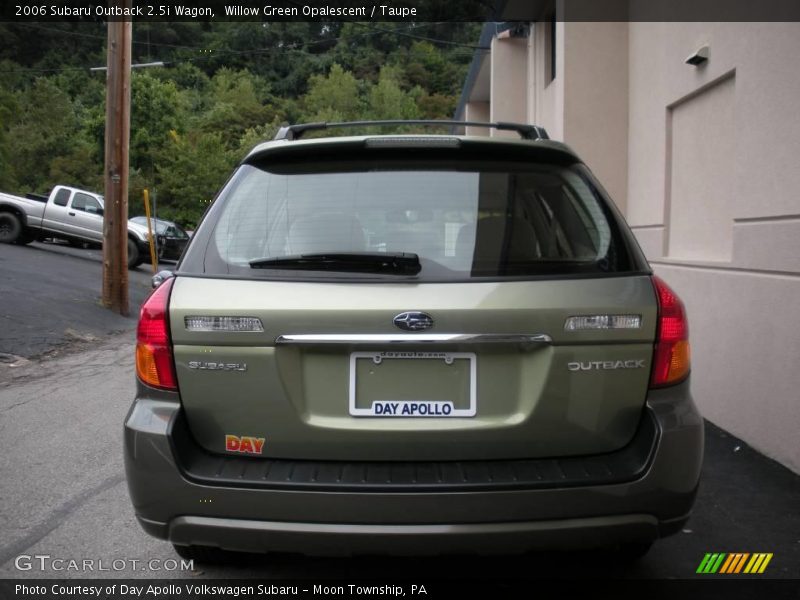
412 344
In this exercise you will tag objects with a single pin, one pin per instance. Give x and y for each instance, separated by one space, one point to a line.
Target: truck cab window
62 197
86 203
93 206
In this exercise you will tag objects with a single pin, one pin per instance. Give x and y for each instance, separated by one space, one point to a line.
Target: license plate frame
423 408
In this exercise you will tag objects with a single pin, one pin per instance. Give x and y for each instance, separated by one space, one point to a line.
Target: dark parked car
171 238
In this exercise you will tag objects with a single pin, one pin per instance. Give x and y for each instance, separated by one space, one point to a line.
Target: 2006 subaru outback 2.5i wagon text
412 344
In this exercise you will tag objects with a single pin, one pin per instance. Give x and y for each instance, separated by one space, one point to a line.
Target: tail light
154 363
671 355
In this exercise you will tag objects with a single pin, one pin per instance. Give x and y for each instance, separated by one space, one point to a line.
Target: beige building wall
586 104
713 176
479 112
705 164
508 79
595 58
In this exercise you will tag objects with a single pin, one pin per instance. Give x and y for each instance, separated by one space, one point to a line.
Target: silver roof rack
527 132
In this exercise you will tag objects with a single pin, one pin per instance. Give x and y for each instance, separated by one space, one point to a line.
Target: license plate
413 384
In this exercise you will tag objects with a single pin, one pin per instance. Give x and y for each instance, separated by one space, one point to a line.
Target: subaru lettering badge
413 321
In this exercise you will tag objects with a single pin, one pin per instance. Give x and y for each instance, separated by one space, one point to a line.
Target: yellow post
153 259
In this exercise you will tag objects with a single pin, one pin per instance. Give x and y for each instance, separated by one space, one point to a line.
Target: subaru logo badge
413 321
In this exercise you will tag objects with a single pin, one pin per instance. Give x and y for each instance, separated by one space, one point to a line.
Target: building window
550 49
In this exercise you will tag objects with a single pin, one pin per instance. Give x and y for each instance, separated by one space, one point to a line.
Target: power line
25 70
375 30
409 35
421 37
294 47
99 37
300 46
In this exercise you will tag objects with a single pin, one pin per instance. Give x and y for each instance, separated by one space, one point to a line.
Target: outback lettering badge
216 366
606 365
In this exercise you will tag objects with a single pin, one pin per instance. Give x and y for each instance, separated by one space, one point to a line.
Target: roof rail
527 132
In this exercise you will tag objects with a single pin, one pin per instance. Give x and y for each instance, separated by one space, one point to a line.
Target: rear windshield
490 221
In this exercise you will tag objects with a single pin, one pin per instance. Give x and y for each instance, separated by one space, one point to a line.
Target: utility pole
118 129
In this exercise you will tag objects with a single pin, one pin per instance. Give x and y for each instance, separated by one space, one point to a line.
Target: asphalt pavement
50 299
63 492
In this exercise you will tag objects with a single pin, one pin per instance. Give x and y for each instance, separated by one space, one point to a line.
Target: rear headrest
325 232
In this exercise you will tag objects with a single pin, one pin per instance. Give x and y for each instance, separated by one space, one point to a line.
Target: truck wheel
10 228
134 260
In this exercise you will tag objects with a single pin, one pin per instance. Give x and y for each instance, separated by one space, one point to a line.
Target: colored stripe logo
734 563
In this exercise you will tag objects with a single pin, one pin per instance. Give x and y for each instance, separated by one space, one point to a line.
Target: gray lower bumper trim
331 539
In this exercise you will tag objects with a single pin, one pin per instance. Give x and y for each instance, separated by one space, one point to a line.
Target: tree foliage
226 87
191 168
335 96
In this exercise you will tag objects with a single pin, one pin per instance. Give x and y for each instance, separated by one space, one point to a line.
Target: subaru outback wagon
412 344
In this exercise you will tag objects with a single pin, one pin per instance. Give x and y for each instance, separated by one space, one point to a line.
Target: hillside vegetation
226 87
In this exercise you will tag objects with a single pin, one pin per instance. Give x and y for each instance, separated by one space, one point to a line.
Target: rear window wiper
392 263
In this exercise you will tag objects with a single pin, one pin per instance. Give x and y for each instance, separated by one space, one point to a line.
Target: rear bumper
333 539
172 503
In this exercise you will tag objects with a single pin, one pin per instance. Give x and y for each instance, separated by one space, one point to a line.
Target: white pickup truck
67 213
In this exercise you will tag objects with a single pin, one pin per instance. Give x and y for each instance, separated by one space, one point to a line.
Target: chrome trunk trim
413 338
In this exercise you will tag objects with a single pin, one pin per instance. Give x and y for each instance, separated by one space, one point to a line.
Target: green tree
426 66
8 109
78 166
335 96
156 109
436 106
45 126
191 169
192 83
256 135
239 101
387 100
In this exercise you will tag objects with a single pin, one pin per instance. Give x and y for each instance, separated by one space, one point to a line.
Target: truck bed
33 209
